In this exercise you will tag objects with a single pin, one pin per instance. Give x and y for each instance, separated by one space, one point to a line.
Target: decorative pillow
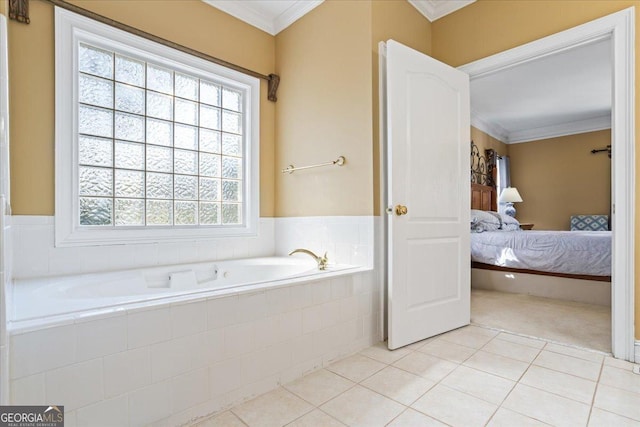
483 221
508 223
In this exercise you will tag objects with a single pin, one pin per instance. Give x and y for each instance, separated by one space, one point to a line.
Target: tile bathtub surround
378 387
173 363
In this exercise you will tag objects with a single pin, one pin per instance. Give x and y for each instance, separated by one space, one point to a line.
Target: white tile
618 401
560 383
470 336
618 363
189 389
620 378
171 358
289 325
214 345
75 385
381 353
251 306
356 368
399 385
222 311
447 350
506 418
518 339
28 390
426 366
27 357
225 419
301 296
362 407
278 407
225 376
316 418
150 404
446 405
321 291
265 362
591 356
568 364
482 385
189 318
127 371
239 339
148 327
498 365
411 417
515 351
101 337
547 407
106 413
319 387
278 301
312 319
600 418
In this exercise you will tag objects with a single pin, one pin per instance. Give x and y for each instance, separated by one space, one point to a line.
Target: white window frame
70 30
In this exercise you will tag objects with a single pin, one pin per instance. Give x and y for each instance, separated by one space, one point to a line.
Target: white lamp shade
510 195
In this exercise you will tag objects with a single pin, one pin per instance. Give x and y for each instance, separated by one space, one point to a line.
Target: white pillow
507 223
484 221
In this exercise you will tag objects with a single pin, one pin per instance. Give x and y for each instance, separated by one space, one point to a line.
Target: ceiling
274 16
560 94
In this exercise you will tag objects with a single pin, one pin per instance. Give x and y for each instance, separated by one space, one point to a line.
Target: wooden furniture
526 225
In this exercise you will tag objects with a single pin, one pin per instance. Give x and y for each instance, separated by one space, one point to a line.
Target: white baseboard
637 352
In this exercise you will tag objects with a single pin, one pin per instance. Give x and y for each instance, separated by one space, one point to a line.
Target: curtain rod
19 10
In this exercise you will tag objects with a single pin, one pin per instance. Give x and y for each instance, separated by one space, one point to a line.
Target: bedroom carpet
578 324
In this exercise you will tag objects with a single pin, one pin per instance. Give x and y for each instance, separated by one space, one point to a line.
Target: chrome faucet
322 261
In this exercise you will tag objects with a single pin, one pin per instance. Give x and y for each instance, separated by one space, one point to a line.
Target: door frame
620 28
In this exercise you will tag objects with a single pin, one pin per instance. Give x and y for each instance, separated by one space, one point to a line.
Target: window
152 144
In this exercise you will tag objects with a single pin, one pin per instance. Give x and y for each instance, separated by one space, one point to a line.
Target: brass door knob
401 210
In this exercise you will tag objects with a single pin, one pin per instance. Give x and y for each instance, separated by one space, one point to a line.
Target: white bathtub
43 301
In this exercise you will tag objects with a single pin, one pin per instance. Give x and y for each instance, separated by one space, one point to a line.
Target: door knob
401 210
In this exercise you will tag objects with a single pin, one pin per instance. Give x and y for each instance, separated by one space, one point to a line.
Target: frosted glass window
156 146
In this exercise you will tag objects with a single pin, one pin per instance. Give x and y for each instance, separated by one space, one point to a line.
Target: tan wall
486 142
191 23
559 177
324 111
491 26
397 20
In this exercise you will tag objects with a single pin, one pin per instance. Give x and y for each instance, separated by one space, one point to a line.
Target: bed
569 265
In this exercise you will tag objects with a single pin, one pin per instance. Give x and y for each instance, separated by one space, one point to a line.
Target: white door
427 162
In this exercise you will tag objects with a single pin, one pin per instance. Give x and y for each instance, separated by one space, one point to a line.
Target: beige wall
559 177
486 142
191 23
491 26
324 111
397 20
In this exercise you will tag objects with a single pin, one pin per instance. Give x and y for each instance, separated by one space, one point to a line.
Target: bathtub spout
322 261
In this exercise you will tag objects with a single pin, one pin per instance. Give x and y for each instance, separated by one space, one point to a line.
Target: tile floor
472 376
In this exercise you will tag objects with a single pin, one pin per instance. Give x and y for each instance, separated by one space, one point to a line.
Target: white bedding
568 252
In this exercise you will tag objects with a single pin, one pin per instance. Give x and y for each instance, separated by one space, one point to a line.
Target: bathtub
42 301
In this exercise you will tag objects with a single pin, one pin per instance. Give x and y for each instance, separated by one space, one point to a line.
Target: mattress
567 252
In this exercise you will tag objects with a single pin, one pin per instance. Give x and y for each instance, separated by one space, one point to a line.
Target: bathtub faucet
322 261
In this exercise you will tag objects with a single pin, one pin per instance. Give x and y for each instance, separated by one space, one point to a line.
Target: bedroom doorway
618 28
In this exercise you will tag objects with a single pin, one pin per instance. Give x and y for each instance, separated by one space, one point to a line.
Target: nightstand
526 225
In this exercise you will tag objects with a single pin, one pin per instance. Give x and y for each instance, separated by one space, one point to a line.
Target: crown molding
564 129
492 129
272 25
436 9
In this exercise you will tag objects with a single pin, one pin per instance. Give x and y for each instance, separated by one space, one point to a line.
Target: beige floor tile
417 345
482 385
568 365
454 408
618 401
412 418
447 350
356 367
506 418
618 363
518 339
620 378
362 407
591 356
316 418
566 385
225 419
547 407
511 350
600 418
498 365
399 385
319 387
427 366
276 408
381 353
470 336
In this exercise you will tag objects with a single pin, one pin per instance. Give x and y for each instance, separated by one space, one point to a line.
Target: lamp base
509 209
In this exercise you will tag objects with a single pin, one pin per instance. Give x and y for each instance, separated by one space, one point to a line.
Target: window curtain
504 178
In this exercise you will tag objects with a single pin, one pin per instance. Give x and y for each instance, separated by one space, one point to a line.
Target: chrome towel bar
338 162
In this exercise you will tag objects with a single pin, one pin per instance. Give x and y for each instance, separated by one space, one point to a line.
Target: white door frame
620 28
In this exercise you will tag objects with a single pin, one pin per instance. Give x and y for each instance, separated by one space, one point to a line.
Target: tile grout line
595 392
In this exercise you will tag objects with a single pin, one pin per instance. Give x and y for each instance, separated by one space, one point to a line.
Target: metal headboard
482 166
